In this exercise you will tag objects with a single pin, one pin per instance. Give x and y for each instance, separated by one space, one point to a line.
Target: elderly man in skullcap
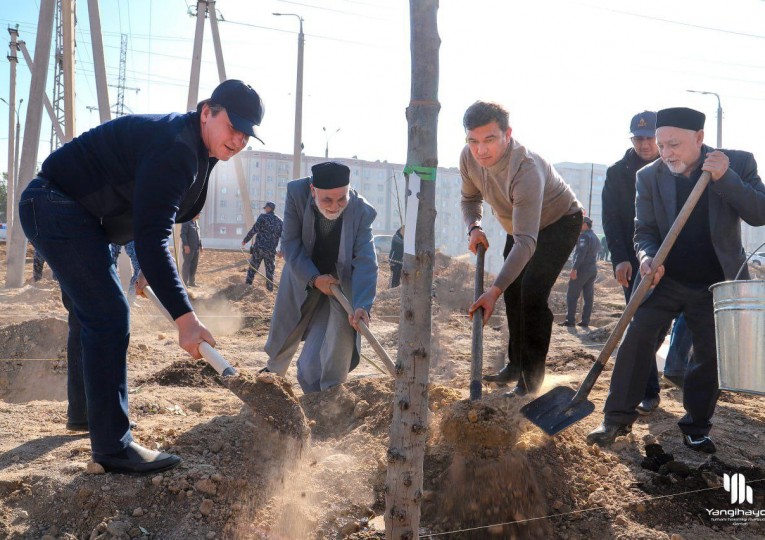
326 240
708 250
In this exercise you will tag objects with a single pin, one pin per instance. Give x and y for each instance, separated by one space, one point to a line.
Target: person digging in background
268 228
707 250
542 218
327 240
582 276
129 179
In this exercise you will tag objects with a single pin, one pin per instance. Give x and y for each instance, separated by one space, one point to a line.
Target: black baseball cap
243 105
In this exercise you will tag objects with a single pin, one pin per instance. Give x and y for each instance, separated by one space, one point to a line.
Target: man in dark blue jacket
268 228
131 178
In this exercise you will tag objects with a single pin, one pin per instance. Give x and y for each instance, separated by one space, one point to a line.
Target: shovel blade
556 410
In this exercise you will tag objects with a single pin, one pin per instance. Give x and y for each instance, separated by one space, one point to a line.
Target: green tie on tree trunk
409 428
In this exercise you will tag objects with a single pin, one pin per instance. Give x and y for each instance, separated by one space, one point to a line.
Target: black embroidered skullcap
680 117
330 175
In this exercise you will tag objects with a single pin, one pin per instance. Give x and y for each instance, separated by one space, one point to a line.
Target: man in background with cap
619 224
268 228
583 274
131 178
326 240
707 250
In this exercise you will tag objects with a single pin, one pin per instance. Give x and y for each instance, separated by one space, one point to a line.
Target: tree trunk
410 411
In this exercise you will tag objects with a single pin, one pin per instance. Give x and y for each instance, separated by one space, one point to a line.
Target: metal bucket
740 328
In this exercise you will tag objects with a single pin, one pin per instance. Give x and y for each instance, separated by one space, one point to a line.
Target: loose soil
248 473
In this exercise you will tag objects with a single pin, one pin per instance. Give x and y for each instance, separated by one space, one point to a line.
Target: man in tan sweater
542 218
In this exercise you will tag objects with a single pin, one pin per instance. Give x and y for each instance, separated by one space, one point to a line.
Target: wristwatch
471 229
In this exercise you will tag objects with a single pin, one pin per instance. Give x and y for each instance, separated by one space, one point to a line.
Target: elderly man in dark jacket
131 178
708 250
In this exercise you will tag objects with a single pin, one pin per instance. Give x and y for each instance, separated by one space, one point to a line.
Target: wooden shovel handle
364 329
642 290
208 352
476 348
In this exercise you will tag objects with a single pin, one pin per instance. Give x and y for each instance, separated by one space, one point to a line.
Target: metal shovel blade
556 410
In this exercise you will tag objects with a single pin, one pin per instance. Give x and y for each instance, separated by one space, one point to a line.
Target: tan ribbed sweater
525 193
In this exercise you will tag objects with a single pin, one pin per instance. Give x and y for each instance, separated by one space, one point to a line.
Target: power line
320 8
679 23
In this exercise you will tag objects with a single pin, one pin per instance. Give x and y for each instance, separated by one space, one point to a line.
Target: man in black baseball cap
131 178
243 105
708 250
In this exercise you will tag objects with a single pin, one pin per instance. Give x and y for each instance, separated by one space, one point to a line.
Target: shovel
266 394
365 331
561 407
476 350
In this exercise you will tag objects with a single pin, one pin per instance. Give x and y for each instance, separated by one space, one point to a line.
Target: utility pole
409 427
46 101
68 22
99 65
11 188
298 145
32 126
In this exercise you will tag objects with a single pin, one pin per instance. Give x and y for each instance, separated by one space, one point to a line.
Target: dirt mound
188 373
483 475
41 338
602 334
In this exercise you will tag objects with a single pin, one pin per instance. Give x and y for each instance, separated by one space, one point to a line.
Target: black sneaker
566 323
700 443
584 324
265 370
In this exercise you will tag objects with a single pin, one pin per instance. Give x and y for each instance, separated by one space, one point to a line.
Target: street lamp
719 114
327 139
297 150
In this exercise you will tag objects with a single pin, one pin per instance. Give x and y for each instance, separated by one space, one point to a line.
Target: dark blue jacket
140 174
268 228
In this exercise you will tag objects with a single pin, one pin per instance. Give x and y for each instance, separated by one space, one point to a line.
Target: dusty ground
488 472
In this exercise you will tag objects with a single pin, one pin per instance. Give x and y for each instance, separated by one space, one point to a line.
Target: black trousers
634 359
529 318
395 275
189 267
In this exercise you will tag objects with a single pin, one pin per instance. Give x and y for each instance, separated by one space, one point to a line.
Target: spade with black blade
561 407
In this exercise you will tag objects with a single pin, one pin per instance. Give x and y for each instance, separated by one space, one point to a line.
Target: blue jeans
75 246
680 352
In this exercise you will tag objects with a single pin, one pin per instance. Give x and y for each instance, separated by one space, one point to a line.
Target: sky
572 73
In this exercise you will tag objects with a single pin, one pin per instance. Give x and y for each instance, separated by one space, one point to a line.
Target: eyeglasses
641 140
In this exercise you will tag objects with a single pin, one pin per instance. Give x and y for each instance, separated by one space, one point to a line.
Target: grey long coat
739 194
356 264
